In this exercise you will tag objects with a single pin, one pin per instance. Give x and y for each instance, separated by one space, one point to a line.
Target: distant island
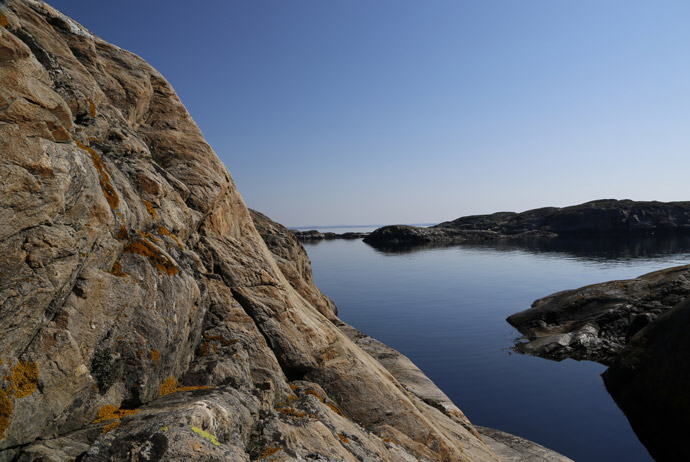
606 216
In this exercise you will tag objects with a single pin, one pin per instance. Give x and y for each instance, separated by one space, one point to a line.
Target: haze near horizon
398 111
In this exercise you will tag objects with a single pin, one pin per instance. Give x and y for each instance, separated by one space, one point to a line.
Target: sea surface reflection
445 308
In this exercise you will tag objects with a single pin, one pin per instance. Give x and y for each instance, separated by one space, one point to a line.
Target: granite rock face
143 316
606 216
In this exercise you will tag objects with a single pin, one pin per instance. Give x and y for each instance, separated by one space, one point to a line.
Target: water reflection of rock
590 248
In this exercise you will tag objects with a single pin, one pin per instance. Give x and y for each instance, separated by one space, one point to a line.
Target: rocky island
638 328
146 314
607 216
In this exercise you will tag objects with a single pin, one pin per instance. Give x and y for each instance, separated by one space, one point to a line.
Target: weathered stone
142 315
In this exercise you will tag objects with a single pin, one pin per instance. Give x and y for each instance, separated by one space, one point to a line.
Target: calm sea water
445 308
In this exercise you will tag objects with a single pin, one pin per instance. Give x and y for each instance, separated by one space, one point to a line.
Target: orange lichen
335 409
343 438
164 231
147 249
5 411
24 379
292 387
116 270
92 109
148 236
3 21
314 393
155 356
111 426
269 452
103 175
150 209
122 234
170 386
209 347
110 412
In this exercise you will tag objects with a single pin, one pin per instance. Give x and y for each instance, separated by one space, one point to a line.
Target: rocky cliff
143 316
606 216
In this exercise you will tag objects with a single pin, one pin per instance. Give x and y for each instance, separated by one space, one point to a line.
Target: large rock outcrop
599 217
143 317
637 327
596 322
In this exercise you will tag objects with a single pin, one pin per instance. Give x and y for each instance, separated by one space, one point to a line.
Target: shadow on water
583 248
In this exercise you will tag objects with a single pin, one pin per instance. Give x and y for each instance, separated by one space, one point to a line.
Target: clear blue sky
408 111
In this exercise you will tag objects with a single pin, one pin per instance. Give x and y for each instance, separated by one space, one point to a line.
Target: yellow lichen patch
150 209
110 412
343 438
104 178
164 231
206 435
24 379
269 452
116 270
5 411
111 426
170 386
155 356
3 21
147 249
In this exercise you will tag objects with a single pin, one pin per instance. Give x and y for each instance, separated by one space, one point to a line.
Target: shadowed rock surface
606 216
650 381
143 316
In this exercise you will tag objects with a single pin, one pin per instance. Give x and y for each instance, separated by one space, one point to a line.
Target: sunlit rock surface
143 316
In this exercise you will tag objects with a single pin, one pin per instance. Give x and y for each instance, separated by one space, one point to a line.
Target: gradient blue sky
407 111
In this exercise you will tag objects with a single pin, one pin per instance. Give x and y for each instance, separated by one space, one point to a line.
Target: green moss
206 435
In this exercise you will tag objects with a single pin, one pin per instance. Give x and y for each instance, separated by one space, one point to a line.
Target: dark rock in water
596 322
607 216
314 235
650 382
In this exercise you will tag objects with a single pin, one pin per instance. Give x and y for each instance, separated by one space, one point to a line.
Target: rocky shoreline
315 235
608 216
637 327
